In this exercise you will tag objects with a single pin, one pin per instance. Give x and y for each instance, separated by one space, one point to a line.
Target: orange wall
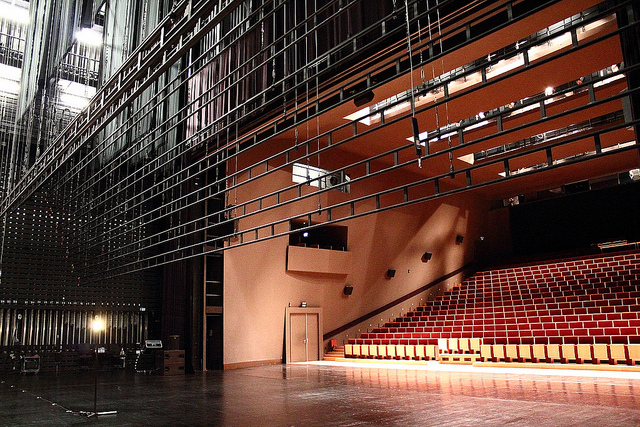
258 287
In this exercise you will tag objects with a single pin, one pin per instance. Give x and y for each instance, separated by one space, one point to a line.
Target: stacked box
170 362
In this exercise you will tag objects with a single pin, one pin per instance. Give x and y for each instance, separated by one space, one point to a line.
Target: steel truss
151 209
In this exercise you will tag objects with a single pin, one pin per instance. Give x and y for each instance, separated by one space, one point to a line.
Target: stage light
98 324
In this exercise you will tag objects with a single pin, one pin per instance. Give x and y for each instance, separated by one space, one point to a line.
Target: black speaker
459 239
86 17
391 273
576 187
426 256
626 108
348 290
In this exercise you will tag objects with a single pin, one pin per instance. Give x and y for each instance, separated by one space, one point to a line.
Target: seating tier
568 302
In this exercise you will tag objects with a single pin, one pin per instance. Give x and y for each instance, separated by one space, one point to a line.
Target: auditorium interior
312 212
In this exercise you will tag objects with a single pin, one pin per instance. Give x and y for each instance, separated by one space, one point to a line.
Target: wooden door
299 341
303 334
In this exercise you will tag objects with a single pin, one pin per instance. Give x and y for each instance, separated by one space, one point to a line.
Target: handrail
467 267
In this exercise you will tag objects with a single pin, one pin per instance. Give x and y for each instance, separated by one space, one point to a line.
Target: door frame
287 329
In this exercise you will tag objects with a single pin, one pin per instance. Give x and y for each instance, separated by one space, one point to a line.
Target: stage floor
328 393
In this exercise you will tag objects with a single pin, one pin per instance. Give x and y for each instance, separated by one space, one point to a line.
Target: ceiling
567 68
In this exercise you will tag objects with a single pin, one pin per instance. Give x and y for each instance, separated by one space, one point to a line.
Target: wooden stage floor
328 394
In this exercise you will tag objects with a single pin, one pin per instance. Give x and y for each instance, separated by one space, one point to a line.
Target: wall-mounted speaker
348 290
426 256
459 239
391 273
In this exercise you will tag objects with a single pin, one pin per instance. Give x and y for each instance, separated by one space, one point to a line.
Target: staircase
584 300
337 353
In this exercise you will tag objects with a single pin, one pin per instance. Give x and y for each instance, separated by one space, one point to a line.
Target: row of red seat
618 278
462 318
624 291
541 291
560 266
479 326
520 339
499 330
623 319
575 273
594 275
392 352
513 306
564 353
571 313
606 311
555 284
510 300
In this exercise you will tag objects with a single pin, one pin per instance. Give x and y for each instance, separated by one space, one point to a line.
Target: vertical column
630 43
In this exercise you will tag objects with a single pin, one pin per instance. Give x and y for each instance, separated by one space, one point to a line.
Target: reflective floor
327 394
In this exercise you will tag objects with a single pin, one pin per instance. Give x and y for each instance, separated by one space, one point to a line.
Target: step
337 353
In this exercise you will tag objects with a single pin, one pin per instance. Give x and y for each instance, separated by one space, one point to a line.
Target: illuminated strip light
9 79
609 80
445 131
569 158
543 138
371 115
564 40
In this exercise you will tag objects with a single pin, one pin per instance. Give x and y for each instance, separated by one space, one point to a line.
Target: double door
304 334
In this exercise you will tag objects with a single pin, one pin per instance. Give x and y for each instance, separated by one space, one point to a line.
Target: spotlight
426 256
348 290
98 324
459 239
390 273
548 91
